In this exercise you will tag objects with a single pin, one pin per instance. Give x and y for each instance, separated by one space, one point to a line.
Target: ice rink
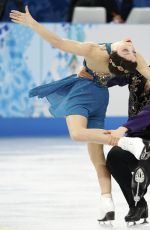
50 184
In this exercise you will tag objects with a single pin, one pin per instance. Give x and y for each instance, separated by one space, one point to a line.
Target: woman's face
126 50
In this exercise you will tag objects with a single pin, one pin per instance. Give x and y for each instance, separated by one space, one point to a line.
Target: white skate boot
107 209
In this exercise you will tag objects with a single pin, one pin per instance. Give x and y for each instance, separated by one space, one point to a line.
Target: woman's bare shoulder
97 50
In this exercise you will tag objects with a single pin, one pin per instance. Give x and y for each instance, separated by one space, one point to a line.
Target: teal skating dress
75 95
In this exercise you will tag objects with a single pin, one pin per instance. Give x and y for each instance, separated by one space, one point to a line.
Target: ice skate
137 213
141 175
107 211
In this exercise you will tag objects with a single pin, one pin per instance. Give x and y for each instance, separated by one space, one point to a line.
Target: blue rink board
12 127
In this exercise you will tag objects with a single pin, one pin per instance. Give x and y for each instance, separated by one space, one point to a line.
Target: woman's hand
22 18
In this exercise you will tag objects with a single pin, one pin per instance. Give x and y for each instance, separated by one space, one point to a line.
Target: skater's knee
113 156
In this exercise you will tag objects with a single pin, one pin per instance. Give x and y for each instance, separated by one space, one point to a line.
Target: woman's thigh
75 122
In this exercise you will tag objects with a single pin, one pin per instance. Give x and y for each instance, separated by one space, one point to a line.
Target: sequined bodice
102 80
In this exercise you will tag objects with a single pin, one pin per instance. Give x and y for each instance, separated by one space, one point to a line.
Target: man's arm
142 67
134 124
139 121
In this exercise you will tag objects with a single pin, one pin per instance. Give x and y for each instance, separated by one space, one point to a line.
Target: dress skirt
75 95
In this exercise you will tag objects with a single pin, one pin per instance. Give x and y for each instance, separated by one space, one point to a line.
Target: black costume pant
121 164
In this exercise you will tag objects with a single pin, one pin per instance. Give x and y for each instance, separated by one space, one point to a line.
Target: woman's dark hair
119 65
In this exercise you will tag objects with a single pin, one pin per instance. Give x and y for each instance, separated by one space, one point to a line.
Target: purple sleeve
118 80
139 121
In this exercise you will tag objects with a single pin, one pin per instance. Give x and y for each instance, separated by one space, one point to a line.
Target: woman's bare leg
77 126
98 159
78 131
104 178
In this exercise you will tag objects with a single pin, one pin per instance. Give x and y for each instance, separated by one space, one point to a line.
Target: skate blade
138 224
107 220
106 224
131 224
108 217
145 222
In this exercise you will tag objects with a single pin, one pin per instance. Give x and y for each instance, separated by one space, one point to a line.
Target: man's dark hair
119 65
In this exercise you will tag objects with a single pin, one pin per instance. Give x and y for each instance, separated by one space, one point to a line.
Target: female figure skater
83 101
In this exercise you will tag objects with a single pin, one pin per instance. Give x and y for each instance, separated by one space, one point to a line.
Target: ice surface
50 184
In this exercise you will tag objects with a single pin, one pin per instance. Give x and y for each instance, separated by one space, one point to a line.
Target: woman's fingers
18 18
16 21
14 15
16 12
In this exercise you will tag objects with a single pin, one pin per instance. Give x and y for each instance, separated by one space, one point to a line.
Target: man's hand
84 73
113 140
22 18
116 135
118 132
147 85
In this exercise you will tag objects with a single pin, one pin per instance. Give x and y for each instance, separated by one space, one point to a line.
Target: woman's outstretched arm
80 48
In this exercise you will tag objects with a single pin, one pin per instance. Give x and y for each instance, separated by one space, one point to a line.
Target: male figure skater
122 163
